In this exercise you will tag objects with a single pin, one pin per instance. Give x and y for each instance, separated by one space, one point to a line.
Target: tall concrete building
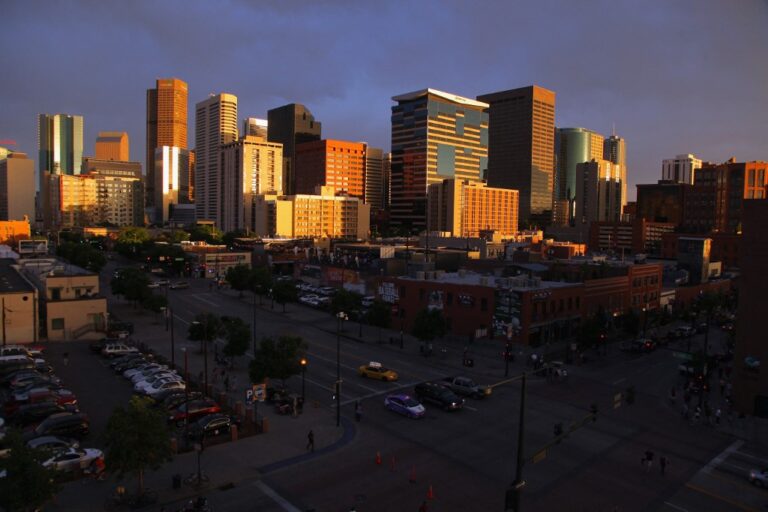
171 185
113 146
290 125
331 163
60 151
681 169
250 166
119 189
166 123
255 127
615 150
598 193
466 208
215 125
573 146
435 136
374 179
521 148
17 187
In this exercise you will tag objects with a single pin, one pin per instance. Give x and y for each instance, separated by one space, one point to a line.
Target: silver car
73 459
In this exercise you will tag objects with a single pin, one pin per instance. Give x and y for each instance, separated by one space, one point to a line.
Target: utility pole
173 342
512 501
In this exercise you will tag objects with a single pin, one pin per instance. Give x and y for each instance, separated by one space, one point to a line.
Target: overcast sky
673 76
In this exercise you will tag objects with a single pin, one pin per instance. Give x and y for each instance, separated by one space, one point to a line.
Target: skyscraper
250 166
681 169
615 150
573 146
374 179
435 135
492 209
521 139
113 146
215 125
60 150
171 181
290 125
332 163
166 123
17 187
598 192
255 127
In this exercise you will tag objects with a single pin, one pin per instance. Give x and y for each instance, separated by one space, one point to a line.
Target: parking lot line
284 504
723 455
711 494
675 506
750 456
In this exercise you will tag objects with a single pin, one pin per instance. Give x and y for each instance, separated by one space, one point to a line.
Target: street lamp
173 340
340 316
205 352
645 318
186 395
272 297
303 370
253 326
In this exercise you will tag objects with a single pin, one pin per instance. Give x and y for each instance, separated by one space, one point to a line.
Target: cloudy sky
672 76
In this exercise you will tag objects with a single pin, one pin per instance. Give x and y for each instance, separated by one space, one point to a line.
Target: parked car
131 364
758 477
374 370
25 372
405 405
32 414
37 395
192 410
24 380
70 424
686 331
173 398
174 384
210 426
143 369
97 346
439 395
53 443
155 382
118 349
149 372
73 459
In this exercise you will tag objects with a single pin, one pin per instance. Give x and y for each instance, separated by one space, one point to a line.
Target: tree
428 325
380 315
239 278
130 241
154 302
238 335
205 327
277 359
131 283
208 234
261 281
630 322
283 292
27 485
228 238
345 300
83 255
137 439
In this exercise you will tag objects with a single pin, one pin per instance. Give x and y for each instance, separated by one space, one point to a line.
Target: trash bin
177 481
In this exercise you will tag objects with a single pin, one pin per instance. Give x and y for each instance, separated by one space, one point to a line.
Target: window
57 323
55 293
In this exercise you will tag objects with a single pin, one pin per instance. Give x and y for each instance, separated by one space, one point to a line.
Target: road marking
379 393
617 382
675 506
177 317
734 466
749 455
321 386
204 300
470 408
720 458
711 494
284 504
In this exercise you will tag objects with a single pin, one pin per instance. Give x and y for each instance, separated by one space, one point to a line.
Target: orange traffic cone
392 467
378 457
430 494
412 475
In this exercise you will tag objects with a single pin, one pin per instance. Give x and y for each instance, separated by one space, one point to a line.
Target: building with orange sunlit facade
465 208
331 163
113 146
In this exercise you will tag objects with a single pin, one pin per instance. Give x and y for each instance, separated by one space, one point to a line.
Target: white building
681 169
171 185
598 191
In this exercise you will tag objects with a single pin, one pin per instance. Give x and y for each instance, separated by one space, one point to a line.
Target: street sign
259 392
685 356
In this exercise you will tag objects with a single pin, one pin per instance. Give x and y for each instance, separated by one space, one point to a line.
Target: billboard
27 247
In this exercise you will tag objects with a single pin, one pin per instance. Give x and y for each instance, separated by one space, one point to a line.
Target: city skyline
656 96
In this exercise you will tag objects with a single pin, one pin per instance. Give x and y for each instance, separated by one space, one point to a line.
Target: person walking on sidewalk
311 441
358 411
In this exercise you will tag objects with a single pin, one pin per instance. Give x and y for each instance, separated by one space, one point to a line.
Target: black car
32 414
439 395
6 379
125 360
69 424
174 400
130 365
96 346
210 426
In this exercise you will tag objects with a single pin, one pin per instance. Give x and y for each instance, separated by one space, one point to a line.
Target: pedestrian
311 441
66 358
697 414
358 411
663 464
718 413
423 507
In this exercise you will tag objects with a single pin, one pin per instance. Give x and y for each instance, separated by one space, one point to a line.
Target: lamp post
340 316
303 371
512 501
253 325
645 318
272 297
205 352
186 395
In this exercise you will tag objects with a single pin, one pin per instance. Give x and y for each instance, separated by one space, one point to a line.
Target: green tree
237 333
205 327
131 283
239 278
208 234
345 300
83 255
137 439
154 302
277 359
284 292
380 315
428 325
130 241
27 485
228 238
630 323
261 281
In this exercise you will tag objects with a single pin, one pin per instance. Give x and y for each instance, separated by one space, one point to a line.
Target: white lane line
740 468
380 393
724 455
617 382
177 317
749 455
470 408
675 506
329 360
321 386
284 504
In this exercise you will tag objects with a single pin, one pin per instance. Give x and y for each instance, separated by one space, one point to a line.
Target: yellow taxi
374 370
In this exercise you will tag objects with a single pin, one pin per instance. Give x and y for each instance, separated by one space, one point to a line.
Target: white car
53 443
174 384
73 459
758 477
154 381
118 349
144 370
149 372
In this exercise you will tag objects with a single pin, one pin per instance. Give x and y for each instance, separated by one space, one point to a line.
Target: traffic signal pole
512 501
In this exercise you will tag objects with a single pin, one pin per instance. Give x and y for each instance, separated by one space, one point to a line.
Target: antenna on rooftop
613 129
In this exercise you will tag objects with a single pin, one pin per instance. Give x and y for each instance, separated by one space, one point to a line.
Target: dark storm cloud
674 77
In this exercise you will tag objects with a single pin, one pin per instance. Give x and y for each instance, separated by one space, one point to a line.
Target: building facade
251 166
171 185
60 151
662 202
255 127
615 150
466 208
681 169
166 123
435 136
374 179
290 125
331 163
17 187
120 191
521 148
215 126
598 193
113 146
573 146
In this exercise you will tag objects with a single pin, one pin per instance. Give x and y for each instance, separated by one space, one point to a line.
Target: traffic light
593 411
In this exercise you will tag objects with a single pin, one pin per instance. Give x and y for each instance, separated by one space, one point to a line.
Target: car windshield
410 402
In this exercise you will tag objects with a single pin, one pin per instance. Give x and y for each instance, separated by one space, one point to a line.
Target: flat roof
410 96
10 280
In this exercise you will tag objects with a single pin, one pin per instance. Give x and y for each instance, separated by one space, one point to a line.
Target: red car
38 395
196 408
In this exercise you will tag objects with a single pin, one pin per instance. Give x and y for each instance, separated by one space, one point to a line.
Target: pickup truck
465 386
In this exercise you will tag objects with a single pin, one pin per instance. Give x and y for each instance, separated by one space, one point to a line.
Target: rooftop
474 279
410 96
11 280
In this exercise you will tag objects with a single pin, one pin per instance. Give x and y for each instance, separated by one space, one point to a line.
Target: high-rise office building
17 187
119 189
166 123
330 163
171 181
374 179
466 208
291 125
598 193
615 150
255 127
250 166
113 146
386 174
60 151
521 140
573 146
435 136
681 169
215 125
